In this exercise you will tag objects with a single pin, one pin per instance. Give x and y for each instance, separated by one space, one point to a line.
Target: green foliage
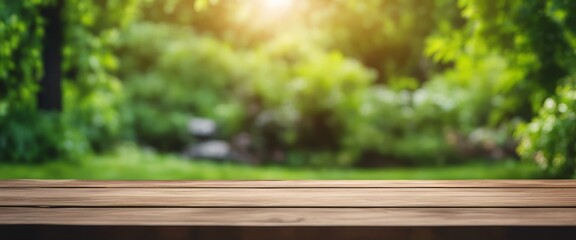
379 33
40 137
91 92
312 104
327 82
171 75
401 127
298 102
21 34
440 121
537 41
20 54
287 95
537 37
550 138
387 36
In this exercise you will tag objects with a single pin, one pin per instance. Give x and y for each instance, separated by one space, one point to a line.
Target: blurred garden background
287 89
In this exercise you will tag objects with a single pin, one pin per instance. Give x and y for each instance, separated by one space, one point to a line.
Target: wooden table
289 204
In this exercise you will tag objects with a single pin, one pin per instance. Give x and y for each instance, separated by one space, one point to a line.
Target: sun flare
276 5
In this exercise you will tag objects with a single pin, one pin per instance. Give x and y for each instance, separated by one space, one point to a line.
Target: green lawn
130 163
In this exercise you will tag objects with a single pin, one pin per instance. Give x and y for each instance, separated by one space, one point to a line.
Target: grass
131 163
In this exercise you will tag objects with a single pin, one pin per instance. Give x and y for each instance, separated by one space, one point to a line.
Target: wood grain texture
291 216
292 184
289 203
294 197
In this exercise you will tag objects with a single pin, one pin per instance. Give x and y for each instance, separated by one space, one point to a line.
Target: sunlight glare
277 5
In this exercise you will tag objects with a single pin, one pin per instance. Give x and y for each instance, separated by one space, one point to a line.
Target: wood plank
292 184
291 216
290 197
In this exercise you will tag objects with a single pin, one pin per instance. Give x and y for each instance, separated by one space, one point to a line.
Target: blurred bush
90 119
305 105
40 137
308 108
170 75
456 116
286 95
550 138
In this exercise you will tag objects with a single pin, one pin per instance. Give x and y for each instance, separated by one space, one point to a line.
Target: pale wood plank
291 197
292 216
292 184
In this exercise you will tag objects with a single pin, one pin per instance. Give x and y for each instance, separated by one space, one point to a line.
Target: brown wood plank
292 184
291 197
292 216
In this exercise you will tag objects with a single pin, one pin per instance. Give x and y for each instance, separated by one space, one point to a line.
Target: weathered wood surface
289 203
289 197
292 216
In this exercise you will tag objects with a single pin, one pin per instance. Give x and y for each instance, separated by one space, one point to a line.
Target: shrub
550 138
90 117
170 75
312 102
301 104
439 122
289 96
39 137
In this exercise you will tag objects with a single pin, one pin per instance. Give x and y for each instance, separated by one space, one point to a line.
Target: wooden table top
289 203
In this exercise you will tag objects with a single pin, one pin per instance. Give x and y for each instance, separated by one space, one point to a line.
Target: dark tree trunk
50 95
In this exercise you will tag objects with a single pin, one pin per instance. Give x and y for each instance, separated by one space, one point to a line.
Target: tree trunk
50 95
